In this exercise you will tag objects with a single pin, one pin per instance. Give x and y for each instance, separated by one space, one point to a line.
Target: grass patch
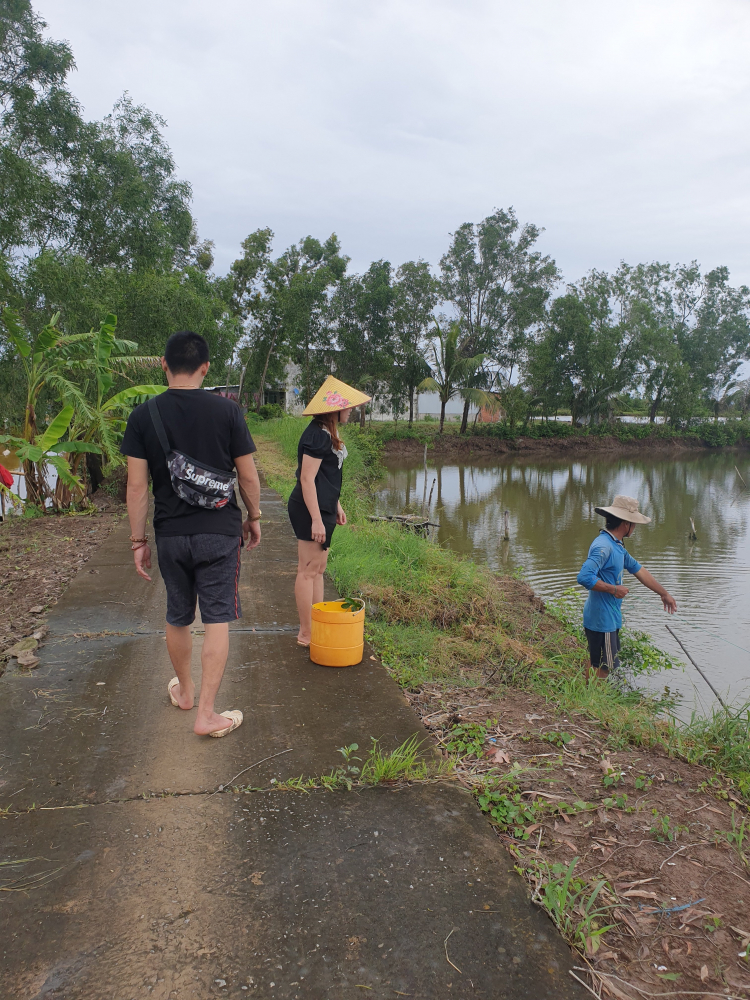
407 763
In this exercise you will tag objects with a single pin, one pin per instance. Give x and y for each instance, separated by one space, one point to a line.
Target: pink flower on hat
336 399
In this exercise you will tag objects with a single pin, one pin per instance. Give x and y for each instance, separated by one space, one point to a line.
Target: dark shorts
206 567
604 649
301 520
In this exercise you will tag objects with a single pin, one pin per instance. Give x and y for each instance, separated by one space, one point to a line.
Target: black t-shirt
208 428
316 442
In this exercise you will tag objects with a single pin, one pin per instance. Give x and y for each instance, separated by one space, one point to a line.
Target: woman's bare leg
308 587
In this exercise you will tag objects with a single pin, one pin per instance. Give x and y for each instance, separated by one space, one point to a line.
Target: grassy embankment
709 433
435 617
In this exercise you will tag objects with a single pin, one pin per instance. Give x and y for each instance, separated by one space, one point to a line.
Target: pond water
552 523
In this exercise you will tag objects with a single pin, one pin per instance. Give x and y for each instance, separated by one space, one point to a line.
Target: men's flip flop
175 682
235 718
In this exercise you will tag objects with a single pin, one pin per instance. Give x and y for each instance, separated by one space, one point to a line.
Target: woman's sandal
235 718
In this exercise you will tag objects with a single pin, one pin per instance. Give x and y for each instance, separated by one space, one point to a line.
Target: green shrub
271 410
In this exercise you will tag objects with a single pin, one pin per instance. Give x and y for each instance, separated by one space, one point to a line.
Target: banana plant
101 357
79 369
48 449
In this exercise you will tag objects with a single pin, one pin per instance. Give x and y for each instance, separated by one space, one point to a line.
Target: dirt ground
676 887
39 557
454 446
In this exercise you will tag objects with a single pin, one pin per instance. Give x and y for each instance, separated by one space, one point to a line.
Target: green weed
664 830
571 903
467 738
557 739
405 763
736 837
509 810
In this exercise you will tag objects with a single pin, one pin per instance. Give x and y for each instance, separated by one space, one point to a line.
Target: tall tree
362 310
586 353
694 333
499 286
417 295
284 303
40 126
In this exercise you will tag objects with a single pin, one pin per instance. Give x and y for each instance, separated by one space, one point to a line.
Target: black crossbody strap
159 426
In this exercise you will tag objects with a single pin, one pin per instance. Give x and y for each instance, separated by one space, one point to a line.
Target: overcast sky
620 127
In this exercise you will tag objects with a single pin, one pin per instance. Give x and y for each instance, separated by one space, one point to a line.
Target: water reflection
552 522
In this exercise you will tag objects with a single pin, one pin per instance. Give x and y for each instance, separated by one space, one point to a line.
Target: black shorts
203 566
301 520
604 649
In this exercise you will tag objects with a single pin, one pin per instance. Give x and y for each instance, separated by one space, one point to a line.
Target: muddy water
552 522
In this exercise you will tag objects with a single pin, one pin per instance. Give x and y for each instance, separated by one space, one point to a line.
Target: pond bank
459 446
567 773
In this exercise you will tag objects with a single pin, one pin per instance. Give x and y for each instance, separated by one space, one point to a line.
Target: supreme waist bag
194 482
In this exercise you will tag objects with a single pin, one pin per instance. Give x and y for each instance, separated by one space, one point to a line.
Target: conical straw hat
334 395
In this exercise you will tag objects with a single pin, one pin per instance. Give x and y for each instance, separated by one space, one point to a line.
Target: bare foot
210 722
184 695
302 639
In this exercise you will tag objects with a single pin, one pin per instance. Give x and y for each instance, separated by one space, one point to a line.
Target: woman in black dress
314 507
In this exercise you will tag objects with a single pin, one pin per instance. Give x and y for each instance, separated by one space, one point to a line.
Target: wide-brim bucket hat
626 508
334 395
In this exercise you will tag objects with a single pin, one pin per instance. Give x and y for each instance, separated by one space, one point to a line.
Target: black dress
316 442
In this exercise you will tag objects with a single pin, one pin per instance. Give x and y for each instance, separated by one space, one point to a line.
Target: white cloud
621 128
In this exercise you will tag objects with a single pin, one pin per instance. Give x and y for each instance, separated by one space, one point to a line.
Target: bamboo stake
506 518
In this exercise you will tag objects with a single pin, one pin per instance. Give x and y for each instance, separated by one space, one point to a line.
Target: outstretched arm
670 604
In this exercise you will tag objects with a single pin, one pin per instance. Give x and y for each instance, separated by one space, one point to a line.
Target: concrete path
140 879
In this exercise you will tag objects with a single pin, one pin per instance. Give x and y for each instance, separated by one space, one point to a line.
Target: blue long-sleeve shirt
606 560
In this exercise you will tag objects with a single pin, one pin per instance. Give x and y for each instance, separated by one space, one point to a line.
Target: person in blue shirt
601 575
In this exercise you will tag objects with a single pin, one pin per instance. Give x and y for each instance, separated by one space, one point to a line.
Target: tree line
95 223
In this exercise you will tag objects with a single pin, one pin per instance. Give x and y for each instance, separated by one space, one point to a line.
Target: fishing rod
679 643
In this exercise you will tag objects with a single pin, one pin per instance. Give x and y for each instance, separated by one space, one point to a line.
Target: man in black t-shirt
198 548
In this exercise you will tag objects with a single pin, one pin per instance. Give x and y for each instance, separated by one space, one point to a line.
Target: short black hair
185 352
612 523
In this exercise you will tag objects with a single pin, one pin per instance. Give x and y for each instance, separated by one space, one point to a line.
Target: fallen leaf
28 660
632 885
534 718
256 878
21 646
704 973
501 757
36 610
639 894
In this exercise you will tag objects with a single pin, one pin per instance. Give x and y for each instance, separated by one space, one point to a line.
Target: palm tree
451 372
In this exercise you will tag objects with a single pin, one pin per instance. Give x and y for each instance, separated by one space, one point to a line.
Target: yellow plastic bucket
338 636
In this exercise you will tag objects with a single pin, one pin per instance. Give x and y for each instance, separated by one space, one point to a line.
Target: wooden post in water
424 491
429 502
693 536
506 519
